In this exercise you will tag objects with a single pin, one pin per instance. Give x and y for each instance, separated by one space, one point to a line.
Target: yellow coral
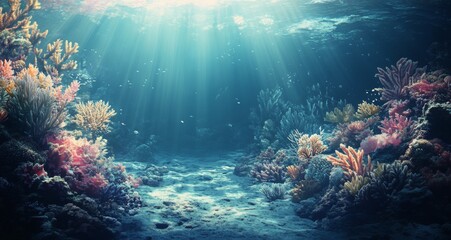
60 61
94 117
16 17
356 183
309 146
366 110
340 116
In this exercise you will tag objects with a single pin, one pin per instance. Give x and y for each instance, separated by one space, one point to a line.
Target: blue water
181 68
212 98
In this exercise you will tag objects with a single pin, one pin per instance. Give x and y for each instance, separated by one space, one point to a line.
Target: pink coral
69 93
379 141
397 124
399 107
82 162
6 71
425 89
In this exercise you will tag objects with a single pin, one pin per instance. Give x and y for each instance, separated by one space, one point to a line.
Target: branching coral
305 189
94 117
60 61
268 172
341 116
395 79
309 146
351 161
398 124
17 17
366 110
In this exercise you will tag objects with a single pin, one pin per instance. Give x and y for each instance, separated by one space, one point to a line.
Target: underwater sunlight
225 119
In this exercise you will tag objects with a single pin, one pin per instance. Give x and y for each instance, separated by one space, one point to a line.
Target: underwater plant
273 192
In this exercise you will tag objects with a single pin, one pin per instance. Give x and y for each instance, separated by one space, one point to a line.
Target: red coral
425 89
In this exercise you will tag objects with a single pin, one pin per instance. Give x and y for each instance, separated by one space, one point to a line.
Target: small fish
123 124
136 132
181 121
229 125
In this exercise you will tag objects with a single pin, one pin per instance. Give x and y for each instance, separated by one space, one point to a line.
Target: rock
205 178
161 225
437 117
54 189
13 153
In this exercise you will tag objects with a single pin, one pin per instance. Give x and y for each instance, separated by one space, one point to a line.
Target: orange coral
293 172
351 161
309 146
6 71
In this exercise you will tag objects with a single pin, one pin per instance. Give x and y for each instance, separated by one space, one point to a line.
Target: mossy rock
13 153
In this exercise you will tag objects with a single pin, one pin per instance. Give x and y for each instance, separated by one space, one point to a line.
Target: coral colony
338 162
69 170
388 161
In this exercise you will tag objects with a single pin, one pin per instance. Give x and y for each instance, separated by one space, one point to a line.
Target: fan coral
366 110
397 78
351 162
340 116
94 117
295 118
309 146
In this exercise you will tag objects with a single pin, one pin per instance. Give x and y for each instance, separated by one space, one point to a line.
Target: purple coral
395 79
